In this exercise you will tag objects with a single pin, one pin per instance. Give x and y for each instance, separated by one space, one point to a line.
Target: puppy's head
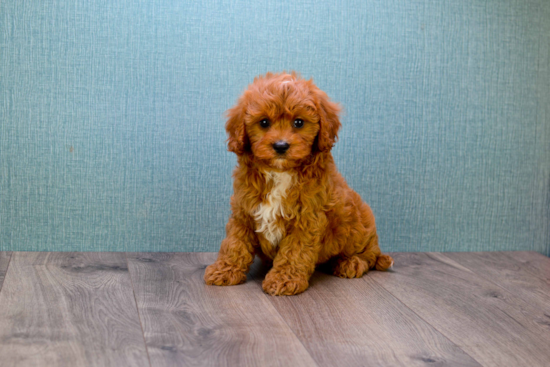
282 119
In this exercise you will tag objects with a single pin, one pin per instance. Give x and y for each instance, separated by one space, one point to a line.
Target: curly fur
293 209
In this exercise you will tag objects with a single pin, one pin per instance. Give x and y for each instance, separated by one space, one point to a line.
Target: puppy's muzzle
281 146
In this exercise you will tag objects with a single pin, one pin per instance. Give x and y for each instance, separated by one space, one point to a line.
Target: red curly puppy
290 204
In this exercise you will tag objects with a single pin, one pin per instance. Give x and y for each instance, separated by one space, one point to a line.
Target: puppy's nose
281 146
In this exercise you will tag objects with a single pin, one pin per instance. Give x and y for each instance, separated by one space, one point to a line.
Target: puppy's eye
298 123
264 123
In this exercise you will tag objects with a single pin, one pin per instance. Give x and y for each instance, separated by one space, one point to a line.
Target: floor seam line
286 323
12 253
137 309
292 331
421 318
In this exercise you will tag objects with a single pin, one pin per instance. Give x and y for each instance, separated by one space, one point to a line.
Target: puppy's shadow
322 272
258 270
324 268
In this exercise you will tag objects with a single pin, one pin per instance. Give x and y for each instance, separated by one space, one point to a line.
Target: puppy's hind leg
357 264
384 262
349 267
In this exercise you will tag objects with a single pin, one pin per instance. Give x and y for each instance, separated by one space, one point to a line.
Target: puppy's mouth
283 162
276 155
278 162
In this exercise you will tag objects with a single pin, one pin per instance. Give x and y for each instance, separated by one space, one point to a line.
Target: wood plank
535 263
503 269
355 322
4 261
489 323
187 322
69 309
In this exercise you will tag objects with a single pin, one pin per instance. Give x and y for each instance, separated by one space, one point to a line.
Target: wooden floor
153 309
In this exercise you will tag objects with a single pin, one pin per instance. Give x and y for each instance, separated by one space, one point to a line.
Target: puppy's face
281 123
281 120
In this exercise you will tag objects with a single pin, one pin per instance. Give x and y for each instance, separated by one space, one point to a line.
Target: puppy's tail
384 262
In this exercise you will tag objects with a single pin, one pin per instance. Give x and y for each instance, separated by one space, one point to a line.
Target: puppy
290 205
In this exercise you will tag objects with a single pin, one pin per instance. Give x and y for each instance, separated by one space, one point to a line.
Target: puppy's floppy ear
329 122
237 141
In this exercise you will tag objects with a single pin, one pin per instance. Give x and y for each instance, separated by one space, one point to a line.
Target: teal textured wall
111 130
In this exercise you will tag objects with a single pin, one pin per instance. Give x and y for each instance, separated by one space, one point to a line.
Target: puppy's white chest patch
272 208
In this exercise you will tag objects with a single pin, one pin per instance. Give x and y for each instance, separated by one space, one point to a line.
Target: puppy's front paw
223 274
277 284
